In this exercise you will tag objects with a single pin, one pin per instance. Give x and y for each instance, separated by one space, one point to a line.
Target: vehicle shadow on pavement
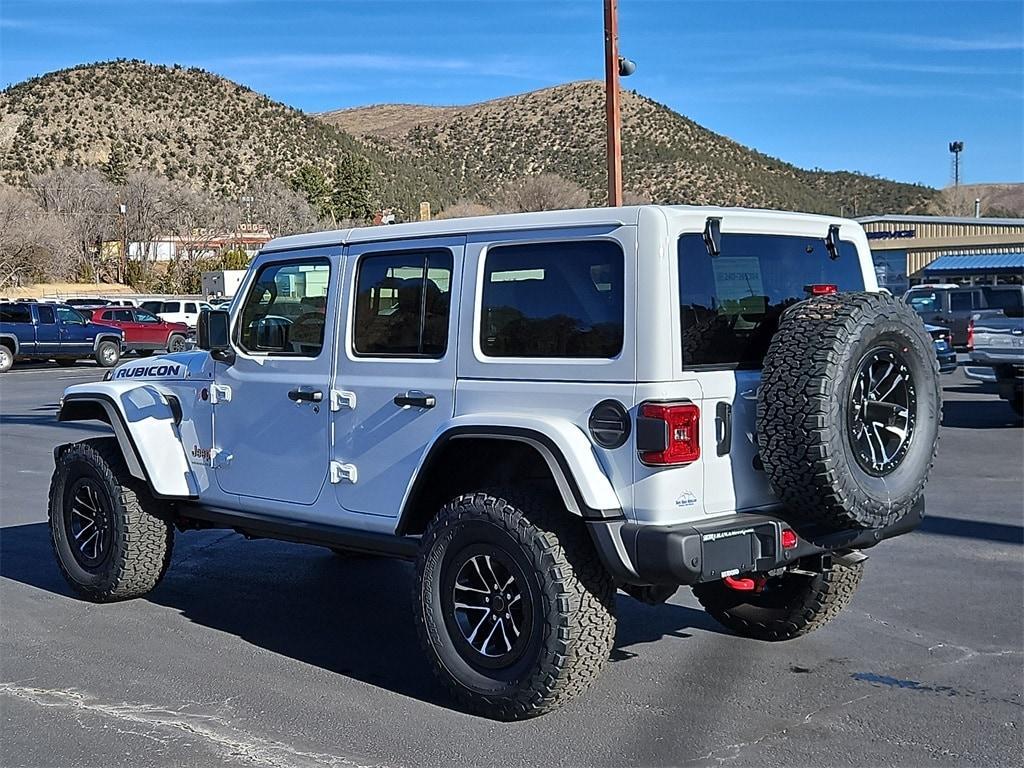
975 414
49 419
972 529
349 616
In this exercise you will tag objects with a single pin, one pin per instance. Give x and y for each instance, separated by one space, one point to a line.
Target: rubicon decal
165 371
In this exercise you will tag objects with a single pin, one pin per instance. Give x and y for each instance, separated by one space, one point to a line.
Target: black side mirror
213 333
271 334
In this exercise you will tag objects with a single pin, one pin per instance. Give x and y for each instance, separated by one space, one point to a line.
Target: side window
122 315
15 313
108 315
553 300
46 316
171 306
142 316
960 302
285 312
402 302
69 315
190 307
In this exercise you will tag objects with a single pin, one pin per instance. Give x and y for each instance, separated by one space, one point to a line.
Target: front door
395 376
77 338
271 417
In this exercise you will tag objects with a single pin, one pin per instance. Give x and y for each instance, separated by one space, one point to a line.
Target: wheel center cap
498 605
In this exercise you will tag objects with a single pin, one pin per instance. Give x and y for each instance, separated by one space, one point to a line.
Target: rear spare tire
848 411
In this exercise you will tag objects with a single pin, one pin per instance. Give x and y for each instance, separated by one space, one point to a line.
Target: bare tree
464 209
543 192
33 243
278 207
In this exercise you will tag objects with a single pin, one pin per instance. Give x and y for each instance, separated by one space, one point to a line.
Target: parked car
997 355
944 351
178 310
86 301
954 306
58 332
539 409
144 332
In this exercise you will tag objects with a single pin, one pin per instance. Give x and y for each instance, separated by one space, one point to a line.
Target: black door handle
301 395
416 399
724 414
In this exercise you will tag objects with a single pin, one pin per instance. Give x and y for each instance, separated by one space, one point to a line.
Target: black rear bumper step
706 550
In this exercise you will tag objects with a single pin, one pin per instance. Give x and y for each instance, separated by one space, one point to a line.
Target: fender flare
105 336
14 339
583 485
143 440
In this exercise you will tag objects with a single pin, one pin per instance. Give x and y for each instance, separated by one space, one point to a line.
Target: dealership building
908 250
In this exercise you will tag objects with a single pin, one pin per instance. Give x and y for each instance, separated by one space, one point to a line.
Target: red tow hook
755 584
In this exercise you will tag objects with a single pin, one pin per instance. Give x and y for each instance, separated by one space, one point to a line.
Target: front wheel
176 343
107 531
785 606
6 358
107 354
513 607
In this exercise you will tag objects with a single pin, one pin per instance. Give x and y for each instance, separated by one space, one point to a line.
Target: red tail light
668 434
788 539
821 289
970 335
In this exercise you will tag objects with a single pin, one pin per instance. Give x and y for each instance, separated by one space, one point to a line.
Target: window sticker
738 284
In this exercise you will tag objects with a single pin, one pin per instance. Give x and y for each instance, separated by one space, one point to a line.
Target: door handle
304 395
416 399
724 417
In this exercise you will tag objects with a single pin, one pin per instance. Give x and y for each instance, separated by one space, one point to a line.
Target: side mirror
213 333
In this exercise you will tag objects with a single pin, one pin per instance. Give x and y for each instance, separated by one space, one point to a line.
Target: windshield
729 305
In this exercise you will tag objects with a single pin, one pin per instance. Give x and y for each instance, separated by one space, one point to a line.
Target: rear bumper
706 550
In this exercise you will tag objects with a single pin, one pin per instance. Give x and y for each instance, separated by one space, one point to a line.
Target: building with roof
908 250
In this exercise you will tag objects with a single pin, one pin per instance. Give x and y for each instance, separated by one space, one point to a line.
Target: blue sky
878 87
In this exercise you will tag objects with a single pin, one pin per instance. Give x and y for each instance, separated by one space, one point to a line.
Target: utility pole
611 102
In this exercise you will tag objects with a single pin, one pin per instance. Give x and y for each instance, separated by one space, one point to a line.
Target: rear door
48 335
729 310
395 371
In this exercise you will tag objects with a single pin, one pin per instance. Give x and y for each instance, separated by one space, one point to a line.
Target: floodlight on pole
956 147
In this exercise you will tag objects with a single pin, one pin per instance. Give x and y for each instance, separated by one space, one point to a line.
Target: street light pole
611 102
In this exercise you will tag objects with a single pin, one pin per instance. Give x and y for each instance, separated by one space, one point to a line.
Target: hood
194 364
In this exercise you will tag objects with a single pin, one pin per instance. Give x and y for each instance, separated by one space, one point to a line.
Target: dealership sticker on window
738 284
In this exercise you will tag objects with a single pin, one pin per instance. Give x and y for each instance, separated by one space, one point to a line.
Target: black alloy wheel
88 522
882 411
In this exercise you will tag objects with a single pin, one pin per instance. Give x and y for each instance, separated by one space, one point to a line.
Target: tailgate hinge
341 398
220 393
341 472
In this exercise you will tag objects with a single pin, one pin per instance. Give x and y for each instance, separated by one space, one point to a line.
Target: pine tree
115 169
310 182
351 196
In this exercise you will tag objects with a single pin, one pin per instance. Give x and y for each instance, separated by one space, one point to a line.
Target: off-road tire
803 433
572 624
6 358
799 604
106 358
1017 403
141 537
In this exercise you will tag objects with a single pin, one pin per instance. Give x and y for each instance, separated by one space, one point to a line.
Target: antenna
956 147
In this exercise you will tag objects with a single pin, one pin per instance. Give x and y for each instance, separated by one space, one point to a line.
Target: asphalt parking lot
270 654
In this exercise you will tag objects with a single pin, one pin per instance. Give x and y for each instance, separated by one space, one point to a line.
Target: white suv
540 409
182 311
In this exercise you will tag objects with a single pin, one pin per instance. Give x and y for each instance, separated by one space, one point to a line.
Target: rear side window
108 315
171 306
729 305
553 300
402 304
46 316
190 307
15 313
962 301
123 315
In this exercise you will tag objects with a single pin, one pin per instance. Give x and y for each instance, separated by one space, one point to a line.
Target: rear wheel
513 606
108 533
783 607
107 354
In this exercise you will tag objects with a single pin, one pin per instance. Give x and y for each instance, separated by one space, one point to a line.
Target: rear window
730 304
1010 300
962 301
553 300
15 313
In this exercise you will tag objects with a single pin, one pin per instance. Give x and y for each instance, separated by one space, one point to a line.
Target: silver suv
540 410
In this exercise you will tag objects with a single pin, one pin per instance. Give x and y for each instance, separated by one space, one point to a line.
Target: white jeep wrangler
538 409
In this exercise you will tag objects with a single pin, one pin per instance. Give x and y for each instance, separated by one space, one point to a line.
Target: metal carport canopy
982 263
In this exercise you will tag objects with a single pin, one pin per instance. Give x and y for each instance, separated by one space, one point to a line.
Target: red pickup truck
144 332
